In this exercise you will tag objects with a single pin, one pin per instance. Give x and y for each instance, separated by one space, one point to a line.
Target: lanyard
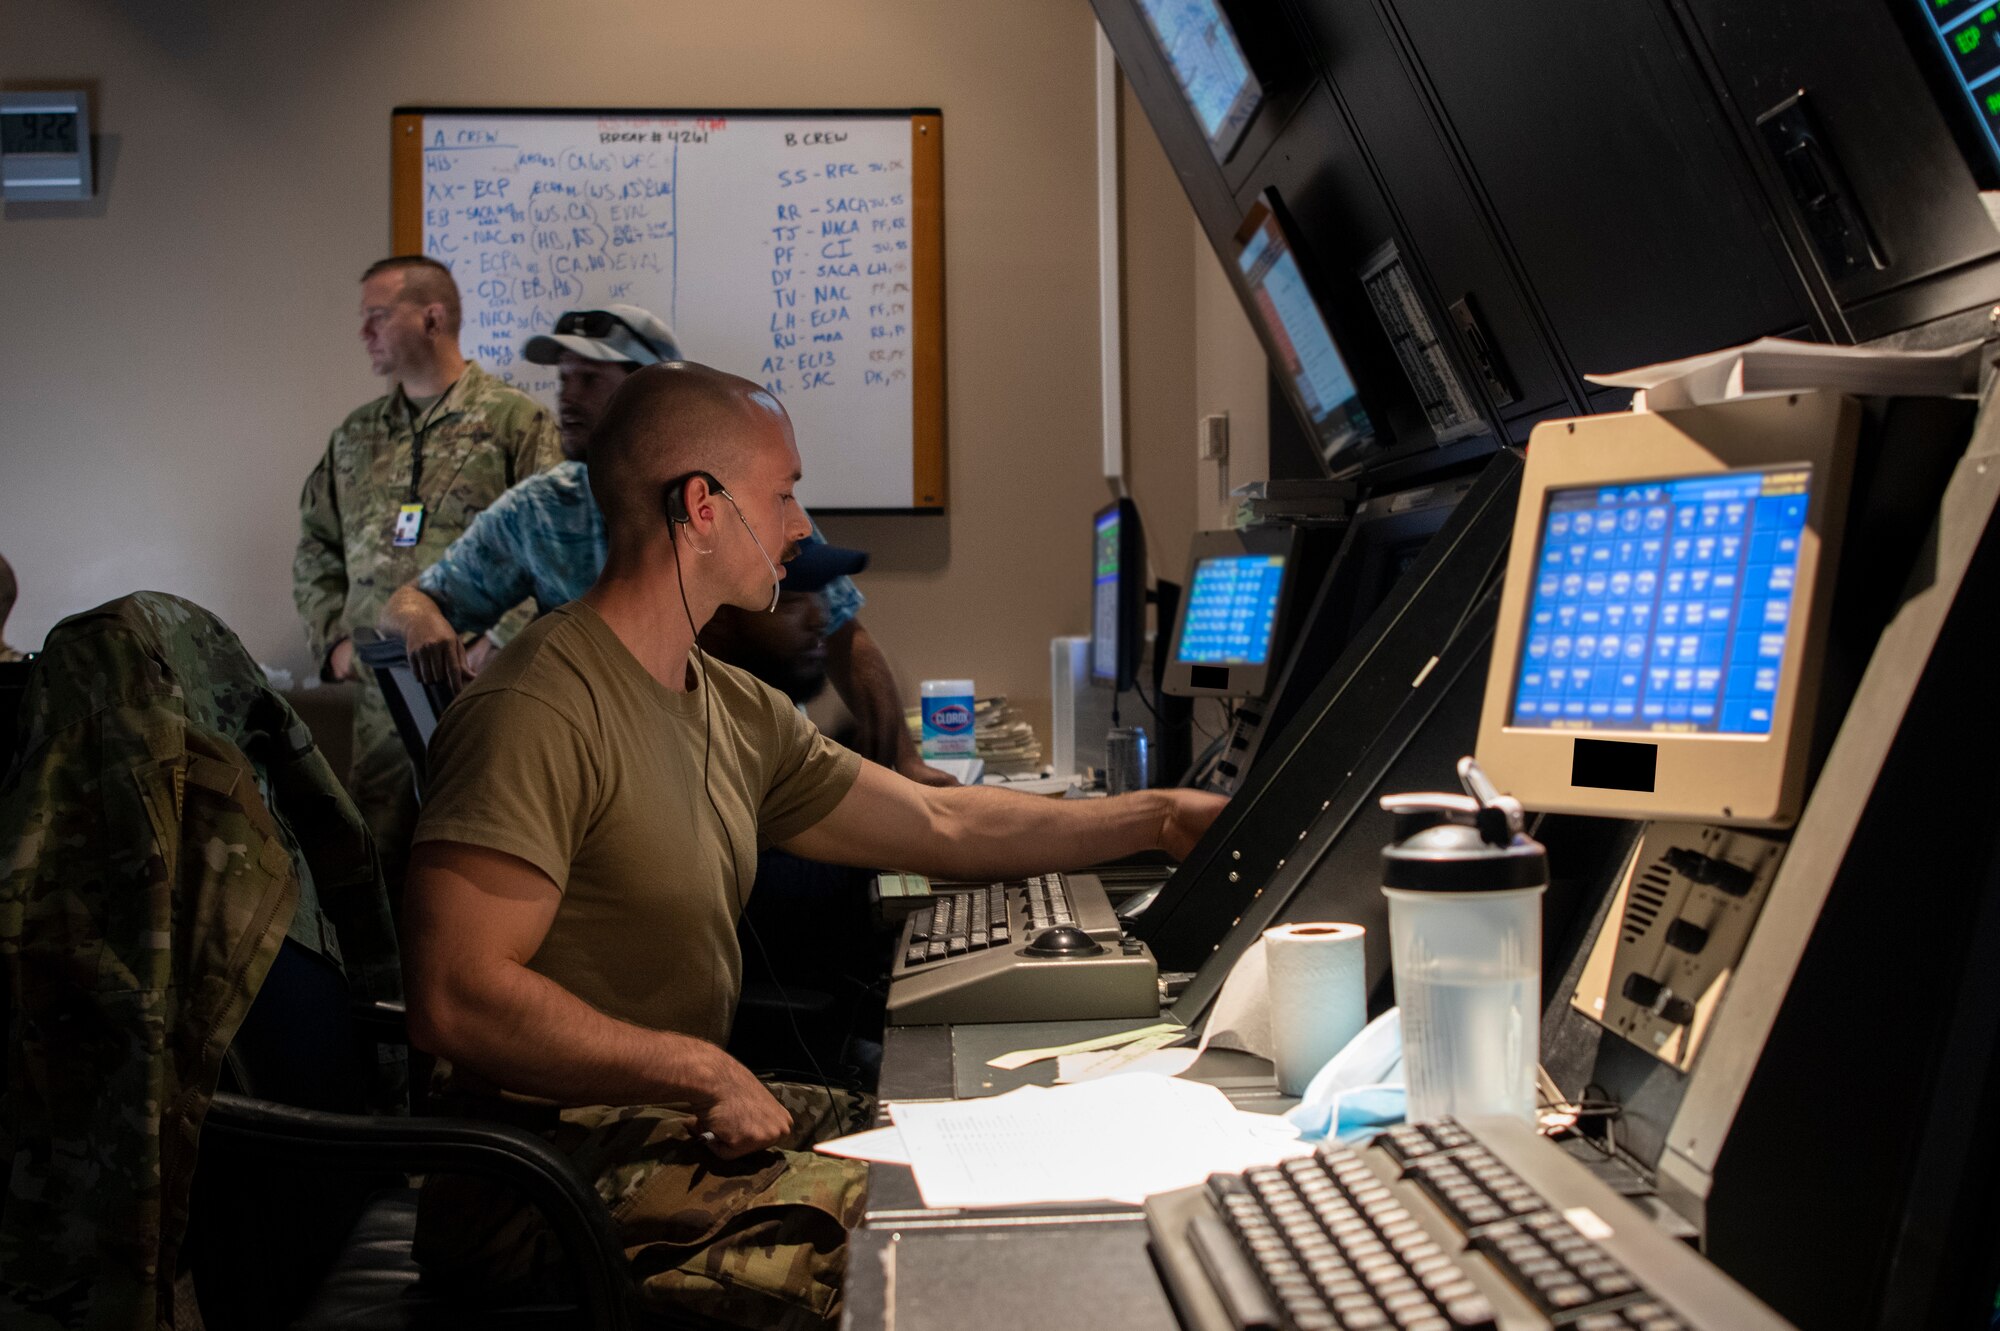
418 429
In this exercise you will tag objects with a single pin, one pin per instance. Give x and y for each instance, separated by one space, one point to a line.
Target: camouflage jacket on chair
146 884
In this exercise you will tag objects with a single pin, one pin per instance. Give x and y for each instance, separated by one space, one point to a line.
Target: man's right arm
478 578
319 571
437 656
473 917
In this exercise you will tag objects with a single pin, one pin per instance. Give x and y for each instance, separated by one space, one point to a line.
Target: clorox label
948 726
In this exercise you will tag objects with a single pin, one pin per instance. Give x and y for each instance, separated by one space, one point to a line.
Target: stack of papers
1778 365
1005 742
1121 1139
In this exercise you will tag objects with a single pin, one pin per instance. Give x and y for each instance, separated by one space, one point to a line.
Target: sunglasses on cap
603 326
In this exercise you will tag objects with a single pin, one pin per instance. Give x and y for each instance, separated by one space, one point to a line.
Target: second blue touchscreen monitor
1232 610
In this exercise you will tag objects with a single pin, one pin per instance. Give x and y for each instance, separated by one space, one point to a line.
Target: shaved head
666 421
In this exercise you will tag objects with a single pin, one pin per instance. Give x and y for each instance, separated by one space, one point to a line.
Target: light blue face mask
1360 1090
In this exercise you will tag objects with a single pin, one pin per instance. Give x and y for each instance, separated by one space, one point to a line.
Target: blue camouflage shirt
544 538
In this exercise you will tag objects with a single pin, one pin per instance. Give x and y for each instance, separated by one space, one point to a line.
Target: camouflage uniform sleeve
537 445
319 566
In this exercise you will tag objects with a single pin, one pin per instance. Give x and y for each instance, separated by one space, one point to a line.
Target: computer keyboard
970 955
958 922
1481 1226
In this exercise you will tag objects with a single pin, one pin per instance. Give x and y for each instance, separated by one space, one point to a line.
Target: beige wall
1231 375
1159 342
175 352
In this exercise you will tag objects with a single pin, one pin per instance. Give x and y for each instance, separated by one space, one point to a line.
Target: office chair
303 1215
13 687
413 705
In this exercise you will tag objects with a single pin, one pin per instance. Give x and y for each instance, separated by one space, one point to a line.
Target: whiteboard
797 249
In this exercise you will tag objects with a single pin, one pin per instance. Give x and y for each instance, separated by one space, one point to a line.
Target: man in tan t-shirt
597 800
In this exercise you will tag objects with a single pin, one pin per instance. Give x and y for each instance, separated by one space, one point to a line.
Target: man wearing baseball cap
544 540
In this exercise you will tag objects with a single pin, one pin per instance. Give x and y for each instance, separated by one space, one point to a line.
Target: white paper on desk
1240 1019
884 1146
1120 1139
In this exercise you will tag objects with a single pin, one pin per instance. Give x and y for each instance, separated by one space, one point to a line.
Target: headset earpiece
677 504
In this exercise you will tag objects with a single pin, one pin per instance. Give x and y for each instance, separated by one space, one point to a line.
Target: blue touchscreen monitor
1664 606
1232 610
1206 59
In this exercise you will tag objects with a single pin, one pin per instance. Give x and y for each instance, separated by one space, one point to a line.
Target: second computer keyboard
1440 1227
987 953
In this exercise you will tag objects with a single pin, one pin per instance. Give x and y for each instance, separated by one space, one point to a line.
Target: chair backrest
13 687
414 705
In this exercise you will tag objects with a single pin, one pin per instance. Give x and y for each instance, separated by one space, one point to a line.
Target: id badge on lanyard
410 516
409 525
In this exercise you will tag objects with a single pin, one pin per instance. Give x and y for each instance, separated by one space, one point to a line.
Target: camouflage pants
759 1241
380 782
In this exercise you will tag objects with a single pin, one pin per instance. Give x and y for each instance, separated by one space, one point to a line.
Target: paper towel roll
1318 996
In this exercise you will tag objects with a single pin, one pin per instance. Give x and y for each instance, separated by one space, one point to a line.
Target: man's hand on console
739 1115
1188 814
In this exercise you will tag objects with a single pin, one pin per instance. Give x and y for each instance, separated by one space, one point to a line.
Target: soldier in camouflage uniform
401 478
167 825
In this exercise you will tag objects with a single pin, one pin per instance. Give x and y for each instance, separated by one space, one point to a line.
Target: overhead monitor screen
1206 59
1664 606
1970 34
1104 597
1301 342
1232 610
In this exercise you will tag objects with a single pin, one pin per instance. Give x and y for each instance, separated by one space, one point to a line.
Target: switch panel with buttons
1678 926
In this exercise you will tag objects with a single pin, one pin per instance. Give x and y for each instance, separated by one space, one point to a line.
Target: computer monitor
1117 595
1208 62
1230 634
1970 43
1298 339
1388 535
1664 610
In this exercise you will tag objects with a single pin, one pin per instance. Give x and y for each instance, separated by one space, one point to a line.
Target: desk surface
912 1268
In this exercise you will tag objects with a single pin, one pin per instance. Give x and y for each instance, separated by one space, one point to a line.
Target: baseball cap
818 563
614 333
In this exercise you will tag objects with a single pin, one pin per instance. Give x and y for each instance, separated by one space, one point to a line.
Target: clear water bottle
1465 891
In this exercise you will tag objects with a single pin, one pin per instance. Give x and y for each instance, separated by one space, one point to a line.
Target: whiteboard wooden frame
927 401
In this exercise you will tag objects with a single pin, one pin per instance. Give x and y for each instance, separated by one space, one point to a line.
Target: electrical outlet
1212 438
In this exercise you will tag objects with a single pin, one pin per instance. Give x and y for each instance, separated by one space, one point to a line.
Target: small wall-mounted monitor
1229 638
1299 341
1664 610
1117 595
1208 62
45 146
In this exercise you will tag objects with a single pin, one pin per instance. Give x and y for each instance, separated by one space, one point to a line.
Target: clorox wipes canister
947 705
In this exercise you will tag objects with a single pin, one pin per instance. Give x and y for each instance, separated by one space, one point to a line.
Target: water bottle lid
1462 843
1455 856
